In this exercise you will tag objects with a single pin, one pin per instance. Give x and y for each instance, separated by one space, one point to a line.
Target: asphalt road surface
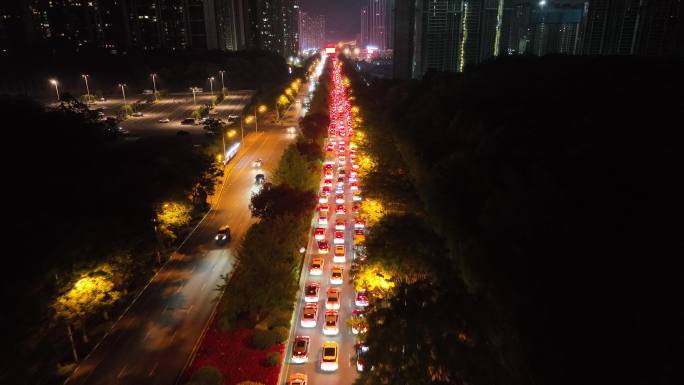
153 341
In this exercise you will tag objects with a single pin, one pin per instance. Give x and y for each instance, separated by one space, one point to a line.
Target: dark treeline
554 184
27 73
78 198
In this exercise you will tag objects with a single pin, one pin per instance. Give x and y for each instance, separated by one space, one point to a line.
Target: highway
346 340
154 340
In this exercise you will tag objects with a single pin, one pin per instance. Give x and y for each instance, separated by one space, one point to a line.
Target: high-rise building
377 24
404 39
555 29
277 26
633 27
448 35
311 32
120 25
436 37
364 27
231 21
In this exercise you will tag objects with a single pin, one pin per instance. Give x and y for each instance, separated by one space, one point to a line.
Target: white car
358 224
336 275
339 199
361 299
319 233
339 238
316 267
331 325
333 300
339 224
323 198
323 219
233 116
163 120
309 315
341 160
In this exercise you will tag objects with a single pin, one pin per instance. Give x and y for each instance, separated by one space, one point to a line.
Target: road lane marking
154 368
122 371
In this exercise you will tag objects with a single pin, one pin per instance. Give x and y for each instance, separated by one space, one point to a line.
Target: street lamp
85 77
223 86
55 83
123 92
154 83
194 99
211 85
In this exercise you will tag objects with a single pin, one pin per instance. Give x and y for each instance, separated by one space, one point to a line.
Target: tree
281 199
171 216
91 292
207 375
294 170
315 127
268 253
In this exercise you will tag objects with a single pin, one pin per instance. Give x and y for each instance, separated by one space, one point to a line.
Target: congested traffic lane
338 164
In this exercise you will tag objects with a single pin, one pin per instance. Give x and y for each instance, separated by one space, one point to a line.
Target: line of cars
336 218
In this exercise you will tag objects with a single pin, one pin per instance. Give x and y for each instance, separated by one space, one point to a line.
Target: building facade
311 32
633 27
377 24
120 25
555 29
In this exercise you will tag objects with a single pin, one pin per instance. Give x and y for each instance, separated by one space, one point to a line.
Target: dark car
260 178
188 121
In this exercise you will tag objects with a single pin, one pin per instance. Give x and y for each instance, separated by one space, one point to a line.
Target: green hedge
263 339
272 359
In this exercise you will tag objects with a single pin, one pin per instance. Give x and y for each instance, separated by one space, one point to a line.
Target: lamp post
154 83
242 127
194 99
211 85
55 83
123 92
85 78
223 86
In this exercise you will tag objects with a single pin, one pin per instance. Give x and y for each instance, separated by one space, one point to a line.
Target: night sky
341 16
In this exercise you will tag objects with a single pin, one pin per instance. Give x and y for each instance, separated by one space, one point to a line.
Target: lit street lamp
223 87
211 85
55 83
194 99
85 77
123 92
154 83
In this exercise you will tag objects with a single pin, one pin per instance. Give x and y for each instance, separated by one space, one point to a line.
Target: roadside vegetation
93 217
521 221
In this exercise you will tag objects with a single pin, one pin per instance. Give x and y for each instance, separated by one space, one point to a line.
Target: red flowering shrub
232 353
